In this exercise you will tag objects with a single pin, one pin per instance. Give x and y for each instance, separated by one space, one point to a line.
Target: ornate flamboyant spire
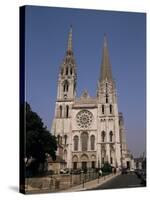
69 46
67 74
69 61
105 65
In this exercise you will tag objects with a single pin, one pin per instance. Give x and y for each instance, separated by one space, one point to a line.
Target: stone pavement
91 184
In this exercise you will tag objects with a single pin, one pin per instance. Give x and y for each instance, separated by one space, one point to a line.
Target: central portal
84 165
84 161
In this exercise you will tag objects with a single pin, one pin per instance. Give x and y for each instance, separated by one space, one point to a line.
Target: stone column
118 155
117 143
69 161
98 144
99 155
88 142
69 158
108 152
79 145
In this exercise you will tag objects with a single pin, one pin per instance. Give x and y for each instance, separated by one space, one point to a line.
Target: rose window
84 119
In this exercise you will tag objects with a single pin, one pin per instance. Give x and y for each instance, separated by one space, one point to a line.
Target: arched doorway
84 161
93 161
75 162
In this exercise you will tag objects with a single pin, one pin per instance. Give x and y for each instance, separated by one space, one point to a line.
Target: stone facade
90 130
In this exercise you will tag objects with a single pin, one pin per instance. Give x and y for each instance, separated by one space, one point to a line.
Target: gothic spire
68 66
69 46
105 65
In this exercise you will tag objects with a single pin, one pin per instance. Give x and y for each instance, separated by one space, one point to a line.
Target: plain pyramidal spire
69 47
105 64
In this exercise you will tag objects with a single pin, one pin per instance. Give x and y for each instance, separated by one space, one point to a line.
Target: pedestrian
115 170
100 172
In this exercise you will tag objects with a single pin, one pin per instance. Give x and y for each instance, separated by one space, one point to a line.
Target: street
122 181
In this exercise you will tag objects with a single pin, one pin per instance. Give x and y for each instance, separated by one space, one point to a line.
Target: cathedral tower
66 89
66 93
108 112
67 76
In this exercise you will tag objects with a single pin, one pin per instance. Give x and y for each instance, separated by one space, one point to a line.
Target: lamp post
98 176
82 174
71 178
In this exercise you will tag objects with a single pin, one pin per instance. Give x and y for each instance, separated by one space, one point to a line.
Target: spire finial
105 40
69 48
105 65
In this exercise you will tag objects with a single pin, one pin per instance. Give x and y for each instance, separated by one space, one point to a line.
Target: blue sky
46 41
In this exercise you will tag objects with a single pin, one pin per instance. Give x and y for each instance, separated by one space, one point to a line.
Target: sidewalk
91 184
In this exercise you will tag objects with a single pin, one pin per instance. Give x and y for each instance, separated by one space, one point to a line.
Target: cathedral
89 130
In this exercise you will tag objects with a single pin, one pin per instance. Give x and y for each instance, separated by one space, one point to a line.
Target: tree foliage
107 167
39 141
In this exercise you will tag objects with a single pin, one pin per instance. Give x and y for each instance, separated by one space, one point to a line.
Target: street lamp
71 178
82 174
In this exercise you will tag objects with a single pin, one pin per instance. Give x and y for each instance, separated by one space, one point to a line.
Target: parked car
143 178
124 171
138 173
76 171
64 171
132 170
141 174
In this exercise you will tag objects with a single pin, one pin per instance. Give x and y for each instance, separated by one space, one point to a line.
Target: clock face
84 118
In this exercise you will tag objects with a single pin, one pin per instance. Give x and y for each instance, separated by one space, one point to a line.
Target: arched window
110 108
71 70
111 160
67 111
111 136
103 153
84 141
103 136
60 111
60 140
76 141
65 155
92 142
65 139
103 109
106 98
66 86
66 70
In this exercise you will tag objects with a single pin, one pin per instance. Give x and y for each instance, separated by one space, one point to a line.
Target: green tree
107 167
39 141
